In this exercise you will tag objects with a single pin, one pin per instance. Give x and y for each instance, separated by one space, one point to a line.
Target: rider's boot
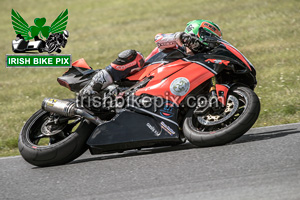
99 82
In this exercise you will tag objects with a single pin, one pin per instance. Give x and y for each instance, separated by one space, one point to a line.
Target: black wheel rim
215 126
36 137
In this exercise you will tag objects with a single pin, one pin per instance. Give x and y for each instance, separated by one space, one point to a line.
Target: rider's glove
189 40
192 42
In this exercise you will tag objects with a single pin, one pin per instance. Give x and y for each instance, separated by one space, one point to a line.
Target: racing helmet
202 28
66 34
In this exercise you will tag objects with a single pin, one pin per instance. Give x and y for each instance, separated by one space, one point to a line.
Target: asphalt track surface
263 164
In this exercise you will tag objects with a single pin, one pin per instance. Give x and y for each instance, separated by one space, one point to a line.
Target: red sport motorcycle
206 98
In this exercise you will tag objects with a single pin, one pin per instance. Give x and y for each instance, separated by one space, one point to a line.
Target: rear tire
63 151
227 131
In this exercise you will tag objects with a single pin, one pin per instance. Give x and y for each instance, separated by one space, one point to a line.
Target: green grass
265 31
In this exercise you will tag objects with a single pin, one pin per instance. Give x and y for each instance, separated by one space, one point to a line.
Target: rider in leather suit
130 61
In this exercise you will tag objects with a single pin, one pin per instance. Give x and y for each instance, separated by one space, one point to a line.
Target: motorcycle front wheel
45 143
211 129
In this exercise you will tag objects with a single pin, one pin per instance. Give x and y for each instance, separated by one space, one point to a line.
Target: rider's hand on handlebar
191 41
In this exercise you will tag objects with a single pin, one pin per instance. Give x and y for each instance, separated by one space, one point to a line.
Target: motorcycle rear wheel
205 131
53 149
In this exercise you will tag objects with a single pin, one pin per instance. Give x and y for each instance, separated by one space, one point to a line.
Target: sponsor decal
167 128
123 67
180 86
165 44
211 28
168 110
190 28
152 128
216 61
51 102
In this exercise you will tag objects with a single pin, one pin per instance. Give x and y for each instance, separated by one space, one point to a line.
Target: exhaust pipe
68 109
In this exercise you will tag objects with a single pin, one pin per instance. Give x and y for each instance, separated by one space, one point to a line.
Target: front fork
219 91
212 89
218 94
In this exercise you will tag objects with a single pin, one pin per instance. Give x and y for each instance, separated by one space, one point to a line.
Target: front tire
229 128
62 147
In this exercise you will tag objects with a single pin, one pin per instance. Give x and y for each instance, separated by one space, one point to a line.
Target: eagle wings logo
29 32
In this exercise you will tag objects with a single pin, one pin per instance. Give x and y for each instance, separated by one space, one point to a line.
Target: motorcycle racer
191 41
195 86
57 40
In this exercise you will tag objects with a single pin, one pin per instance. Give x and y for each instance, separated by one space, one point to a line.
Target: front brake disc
232 106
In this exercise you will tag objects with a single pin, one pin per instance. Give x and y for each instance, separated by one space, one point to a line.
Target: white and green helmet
202 27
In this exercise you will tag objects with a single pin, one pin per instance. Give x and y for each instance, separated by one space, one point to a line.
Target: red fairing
237 54
81 63
222 89
143 72
169 84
